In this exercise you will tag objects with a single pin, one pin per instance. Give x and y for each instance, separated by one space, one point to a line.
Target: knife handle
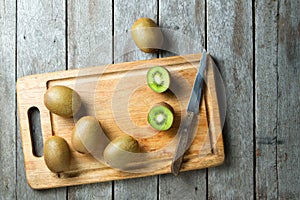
183 142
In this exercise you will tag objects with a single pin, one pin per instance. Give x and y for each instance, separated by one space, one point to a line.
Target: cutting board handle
35 122
35 129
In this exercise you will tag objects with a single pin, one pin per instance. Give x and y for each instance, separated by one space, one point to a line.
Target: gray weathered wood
89 44
41 48
125 14
187 185
7 100
91 191
266 98
288 105
183 23
89 33
229 40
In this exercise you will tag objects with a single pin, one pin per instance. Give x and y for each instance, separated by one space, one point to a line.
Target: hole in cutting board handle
36 132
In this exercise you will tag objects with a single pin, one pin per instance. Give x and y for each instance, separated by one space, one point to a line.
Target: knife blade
188 124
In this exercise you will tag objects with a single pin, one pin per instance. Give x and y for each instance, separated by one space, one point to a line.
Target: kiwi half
158 79
161 116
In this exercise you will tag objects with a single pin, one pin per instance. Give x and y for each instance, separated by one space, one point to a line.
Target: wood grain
41 48
266 97
184 20
288 105
84 168
90 36
7 100
125 14
229 40
81 27
89 22
183 24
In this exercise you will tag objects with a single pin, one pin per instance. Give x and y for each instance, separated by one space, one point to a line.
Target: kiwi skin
147 35
57 154
87 133
62 100
116 153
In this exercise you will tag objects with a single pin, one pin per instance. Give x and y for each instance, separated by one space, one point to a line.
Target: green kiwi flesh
161 117
158 79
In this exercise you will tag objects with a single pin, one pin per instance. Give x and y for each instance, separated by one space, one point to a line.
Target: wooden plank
288 107
7 100
125 14
89 33
229 40
266 98
111 110
183 24
89 44
41 48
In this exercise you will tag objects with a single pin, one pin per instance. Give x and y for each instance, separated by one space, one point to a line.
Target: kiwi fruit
62 100
117 153
158 79
147 35
86 135
57 154
161 116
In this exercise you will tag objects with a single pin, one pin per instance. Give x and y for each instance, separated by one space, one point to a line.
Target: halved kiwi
158 79
161 116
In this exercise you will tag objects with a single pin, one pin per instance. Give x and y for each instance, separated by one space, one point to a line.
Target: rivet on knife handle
183 142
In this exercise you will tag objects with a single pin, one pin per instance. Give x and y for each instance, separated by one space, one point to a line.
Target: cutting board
118 96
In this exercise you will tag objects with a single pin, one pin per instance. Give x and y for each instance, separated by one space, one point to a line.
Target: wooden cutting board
118 95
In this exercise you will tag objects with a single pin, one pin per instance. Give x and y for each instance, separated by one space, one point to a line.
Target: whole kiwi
147 35
117 154
62 101
57 154
86 135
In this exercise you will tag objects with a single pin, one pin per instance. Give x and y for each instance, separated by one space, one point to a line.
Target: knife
187 127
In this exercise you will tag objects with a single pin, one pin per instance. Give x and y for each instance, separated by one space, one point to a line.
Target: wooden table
256 45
